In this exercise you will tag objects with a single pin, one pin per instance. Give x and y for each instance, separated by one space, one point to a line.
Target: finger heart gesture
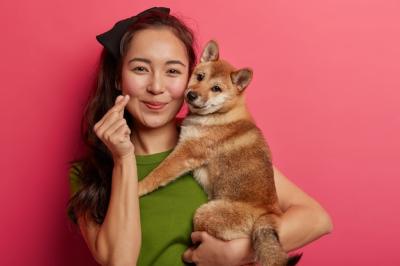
113 130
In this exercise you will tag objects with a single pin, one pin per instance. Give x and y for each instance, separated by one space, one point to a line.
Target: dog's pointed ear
241 78
210 52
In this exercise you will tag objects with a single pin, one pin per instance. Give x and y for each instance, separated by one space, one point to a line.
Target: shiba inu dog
229 157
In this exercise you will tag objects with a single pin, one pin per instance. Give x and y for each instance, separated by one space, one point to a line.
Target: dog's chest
190 132
202 176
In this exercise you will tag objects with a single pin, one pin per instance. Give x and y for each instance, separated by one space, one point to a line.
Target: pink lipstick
154 105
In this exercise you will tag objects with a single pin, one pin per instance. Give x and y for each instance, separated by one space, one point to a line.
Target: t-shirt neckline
152 158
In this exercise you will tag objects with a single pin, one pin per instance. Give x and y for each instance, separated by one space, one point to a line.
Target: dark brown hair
94 169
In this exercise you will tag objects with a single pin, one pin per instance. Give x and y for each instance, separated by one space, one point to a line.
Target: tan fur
229 158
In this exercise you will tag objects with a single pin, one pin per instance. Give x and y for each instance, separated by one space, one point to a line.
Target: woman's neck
155 140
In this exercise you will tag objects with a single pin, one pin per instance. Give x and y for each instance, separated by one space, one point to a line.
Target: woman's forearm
300 225
120 235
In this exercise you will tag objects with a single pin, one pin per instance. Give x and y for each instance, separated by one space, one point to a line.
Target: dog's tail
268 249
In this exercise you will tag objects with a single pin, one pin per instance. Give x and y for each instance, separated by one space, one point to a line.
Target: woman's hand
113 130
213 252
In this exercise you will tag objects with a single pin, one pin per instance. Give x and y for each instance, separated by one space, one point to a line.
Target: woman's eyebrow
144 60
171 62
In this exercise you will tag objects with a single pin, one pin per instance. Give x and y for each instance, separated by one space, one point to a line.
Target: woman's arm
117 240
303 221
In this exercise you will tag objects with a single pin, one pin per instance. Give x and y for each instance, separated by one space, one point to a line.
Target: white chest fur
189 132
201 175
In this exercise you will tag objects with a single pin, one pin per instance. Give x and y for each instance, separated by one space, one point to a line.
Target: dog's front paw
142 189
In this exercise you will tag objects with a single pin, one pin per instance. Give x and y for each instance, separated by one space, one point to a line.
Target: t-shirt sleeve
74 182
74 185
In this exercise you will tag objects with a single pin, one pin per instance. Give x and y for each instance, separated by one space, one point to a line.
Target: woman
129 128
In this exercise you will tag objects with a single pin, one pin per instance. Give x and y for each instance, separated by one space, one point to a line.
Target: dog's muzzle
191 96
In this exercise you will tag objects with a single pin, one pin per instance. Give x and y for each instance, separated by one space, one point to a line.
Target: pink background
325 93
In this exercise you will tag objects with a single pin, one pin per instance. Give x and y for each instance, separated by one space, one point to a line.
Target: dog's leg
225 219
265 240
182 160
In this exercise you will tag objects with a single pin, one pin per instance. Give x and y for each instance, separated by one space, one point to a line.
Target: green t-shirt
165 214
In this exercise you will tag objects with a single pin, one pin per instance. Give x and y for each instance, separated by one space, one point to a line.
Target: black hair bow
111 39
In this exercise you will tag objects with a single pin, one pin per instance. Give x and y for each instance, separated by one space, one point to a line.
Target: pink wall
325 93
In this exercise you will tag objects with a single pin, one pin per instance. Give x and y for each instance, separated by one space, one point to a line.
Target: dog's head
215 86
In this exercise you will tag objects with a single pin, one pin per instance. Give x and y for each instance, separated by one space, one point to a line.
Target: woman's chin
155 122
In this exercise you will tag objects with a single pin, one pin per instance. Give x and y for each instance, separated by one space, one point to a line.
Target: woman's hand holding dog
211 251
113 130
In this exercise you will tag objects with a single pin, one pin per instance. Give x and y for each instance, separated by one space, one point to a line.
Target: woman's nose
156 85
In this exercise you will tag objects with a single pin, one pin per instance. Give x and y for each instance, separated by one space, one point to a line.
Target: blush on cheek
133 84
177 89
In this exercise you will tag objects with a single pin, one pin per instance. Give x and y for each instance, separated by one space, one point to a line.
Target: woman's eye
200 76
139 69
174 71
216 88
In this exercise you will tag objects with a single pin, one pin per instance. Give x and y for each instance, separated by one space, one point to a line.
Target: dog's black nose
191 96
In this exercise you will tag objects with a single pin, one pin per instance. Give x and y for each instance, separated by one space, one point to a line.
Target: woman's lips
154 105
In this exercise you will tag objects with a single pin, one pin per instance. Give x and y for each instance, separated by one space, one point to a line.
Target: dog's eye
216 88
200 76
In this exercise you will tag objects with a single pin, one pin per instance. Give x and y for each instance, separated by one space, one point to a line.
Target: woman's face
155 74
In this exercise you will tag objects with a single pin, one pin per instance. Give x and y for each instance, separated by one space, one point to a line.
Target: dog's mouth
197 106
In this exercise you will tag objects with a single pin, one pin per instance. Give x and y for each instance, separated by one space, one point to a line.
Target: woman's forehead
157 44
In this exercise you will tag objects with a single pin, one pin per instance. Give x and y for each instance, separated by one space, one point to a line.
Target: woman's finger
107 123
110 131
119 97
121 134
119 106
125 102
198 236
188 255
117 100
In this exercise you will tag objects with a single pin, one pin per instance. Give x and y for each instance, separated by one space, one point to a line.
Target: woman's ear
241 78
210 52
